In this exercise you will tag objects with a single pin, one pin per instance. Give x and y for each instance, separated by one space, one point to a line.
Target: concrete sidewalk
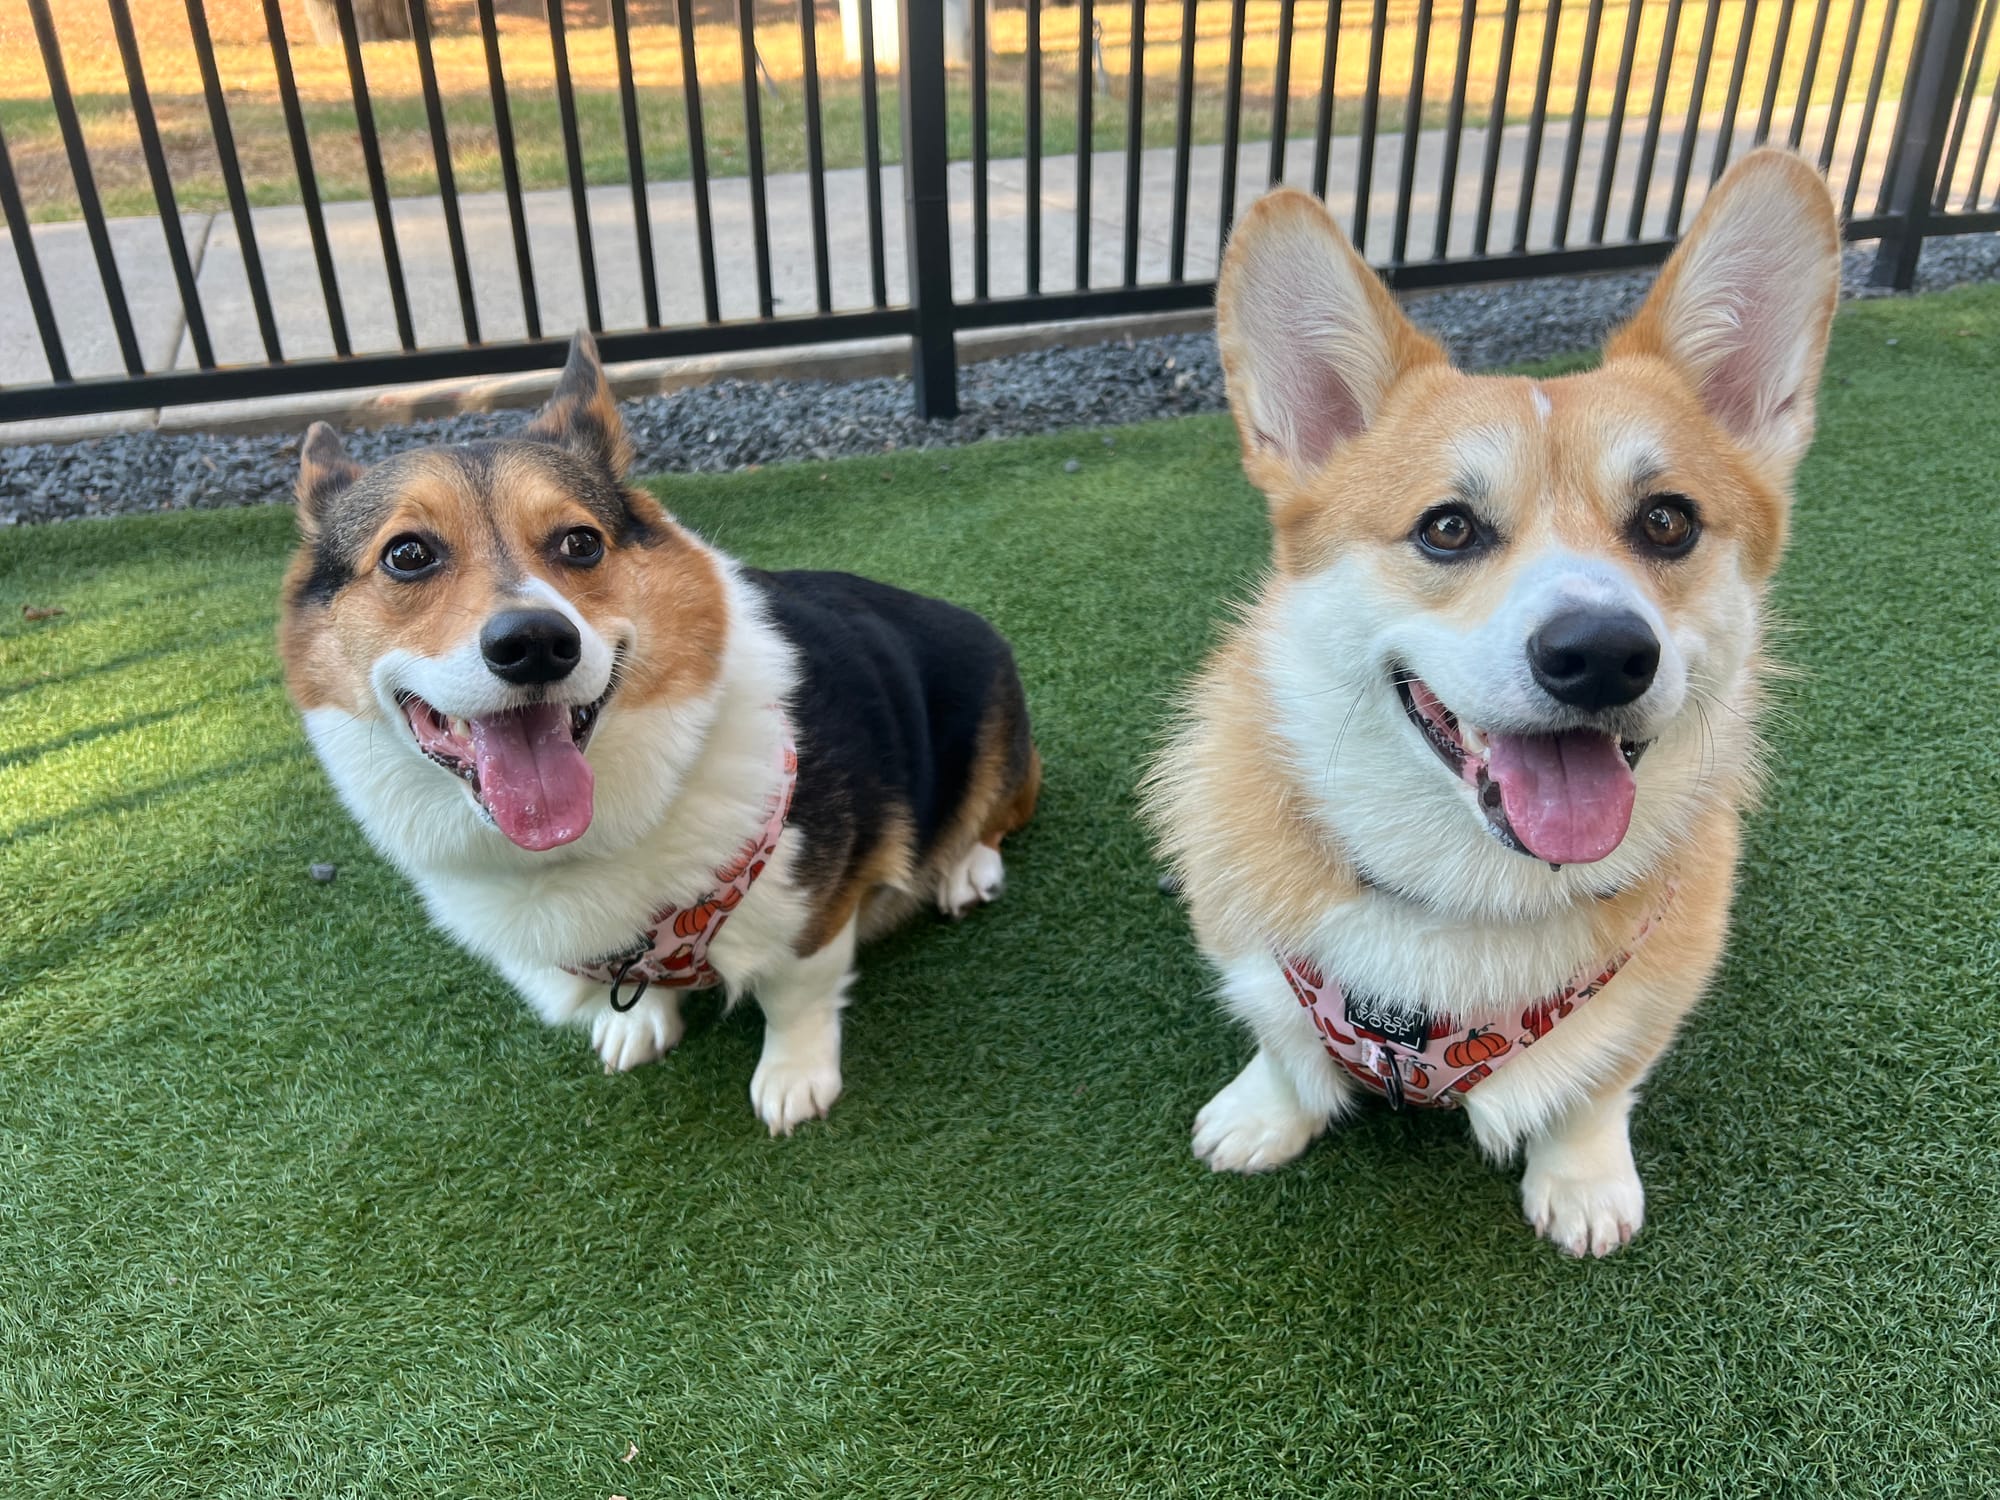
304 329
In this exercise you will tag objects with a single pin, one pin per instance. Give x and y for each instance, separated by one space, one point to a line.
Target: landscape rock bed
734 424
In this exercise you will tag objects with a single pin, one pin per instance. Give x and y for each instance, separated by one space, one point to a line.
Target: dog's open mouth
1563 797
525 765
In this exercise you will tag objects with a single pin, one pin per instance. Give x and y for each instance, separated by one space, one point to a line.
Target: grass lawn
1776 63
297 1201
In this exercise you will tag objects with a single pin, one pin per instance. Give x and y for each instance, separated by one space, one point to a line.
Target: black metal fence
1505 141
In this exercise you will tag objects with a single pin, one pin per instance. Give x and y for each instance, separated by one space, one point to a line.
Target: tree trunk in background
374 20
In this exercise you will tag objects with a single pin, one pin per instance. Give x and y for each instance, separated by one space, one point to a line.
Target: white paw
1256 1122
631 1038
1592 1212
974 881
796 1080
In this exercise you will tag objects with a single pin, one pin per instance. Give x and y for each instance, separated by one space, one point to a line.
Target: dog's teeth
1475 742
459 727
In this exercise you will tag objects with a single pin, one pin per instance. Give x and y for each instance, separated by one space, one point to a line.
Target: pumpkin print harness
673 952
1412 1059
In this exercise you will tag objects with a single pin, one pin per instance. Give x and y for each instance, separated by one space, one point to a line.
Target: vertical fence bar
980 249
1086 81
163 187
1642 181
1614 128
1281 93
1413 124
704 224
579 188
926 210
1323 126
1869 106
86 187
871 148
1531 156
1684 163
420 33
232 180
1579 118
1848 49
1135 135
1932 89
378 185
753 146
1454 129
1775 72
1031 106
510 169
31 268
1821 12
635 156
1965 101
1496 126
1231 125
1971 199
1371 116
1183 136
302 166
1726 131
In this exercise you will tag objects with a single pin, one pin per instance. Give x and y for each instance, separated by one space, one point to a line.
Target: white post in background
888 31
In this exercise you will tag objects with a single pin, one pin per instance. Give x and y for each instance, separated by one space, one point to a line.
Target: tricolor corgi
617 765
1454 806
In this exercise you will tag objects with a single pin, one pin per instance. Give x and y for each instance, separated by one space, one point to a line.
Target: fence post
926 215
1930 91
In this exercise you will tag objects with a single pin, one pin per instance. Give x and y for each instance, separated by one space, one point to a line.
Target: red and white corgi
1475 755
618 765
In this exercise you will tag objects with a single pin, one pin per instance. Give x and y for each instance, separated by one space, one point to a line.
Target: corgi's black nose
526 646
1593 658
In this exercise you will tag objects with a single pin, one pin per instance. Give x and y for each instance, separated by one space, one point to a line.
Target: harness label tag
1390 1020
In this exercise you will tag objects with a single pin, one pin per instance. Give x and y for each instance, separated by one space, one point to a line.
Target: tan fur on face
496 522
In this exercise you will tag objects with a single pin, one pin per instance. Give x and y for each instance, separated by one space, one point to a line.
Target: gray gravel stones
734 424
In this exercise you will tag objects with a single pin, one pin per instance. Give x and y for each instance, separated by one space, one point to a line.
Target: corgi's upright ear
582 414
1744 306
1312 341
325 471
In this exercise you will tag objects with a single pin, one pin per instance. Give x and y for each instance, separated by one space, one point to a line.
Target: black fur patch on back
895 690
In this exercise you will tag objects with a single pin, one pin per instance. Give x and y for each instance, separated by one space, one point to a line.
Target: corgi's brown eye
1667 524
409 557
580 545
1447 530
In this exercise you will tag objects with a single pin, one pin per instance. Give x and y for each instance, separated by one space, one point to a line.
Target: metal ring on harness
618 979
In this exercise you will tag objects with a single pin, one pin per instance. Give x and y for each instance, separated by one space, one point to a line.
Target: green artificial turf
295 1200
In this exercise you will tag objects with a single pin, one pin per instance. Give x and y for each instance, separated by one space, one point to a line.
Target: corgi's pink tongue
532 777
1568 797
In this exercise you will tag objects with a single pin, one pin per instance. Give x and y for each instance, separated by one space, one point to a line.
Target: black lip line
1453 758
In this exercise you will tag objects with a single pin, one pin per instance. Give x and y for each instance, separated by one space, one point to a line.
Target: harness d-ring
618 978
1392 1081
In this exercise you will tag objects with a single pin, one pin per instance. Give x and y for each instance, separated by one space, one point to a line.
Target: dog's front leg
1286 1095
1581 1190
624 1039
798 1076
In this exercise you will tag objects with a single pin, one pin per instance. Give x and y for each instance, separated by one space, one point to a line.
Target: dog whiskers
1333 755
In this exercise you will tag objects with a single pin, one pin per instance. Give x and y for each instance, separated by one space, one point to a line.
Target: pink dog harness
1413 1059
673 952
